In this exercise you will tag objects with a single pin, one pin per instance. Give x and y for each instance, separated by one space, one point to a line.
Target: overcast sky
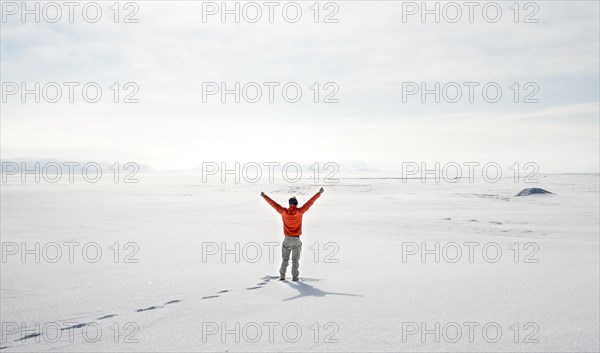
370 57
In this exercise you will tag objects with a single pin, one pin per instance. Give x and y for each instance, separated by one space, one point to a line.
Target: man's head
293 201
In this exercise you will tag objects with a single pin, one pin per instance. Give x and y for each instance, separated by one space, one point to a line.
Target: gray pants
291 245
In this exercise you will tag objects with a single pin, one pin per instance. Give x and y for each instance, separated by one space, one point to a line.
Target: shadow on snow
306 290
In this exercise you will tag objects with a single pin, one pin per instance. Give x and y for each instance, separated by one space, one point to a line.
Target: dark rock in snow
533 191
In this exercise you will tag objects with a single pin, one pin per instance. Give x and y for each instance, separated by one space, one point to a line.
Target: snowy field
191 266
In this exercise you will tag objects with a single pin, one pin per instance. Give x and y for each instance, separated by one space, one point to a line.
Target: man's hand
262 194
321 191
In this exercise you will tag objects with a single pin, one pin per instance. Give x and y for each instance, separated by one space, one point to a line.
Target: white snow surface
356 294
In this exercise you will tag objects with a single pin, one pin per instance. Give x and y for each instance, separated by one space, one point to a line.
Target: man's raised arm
310 202
274 204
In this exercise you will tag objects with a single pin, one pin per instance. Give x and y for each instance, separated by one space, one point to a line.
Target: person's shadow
306 290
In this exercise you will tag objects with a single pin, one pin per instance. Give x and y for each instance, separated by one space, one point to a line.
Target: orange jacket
292 216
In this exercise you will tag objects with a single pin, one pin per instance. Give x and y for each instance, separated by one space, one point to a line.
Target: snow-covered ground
191 266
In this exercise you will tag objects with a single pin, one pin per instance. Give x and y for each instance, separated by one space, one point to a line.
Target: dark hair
293 201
